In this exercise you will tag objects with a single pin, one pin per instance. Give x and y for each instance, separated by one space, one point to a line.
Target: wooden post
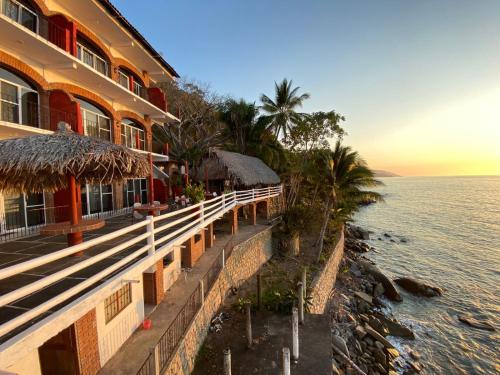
227 361
295 334
249 324
286 361
186 175
259 291
300 293
151 182
74 238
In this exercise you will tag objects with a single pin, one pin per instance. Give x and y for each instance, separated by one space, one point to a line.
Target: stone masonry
244 261
324 282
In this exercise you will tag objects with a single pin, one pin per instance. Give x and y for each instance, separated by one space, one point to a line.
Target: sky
417 80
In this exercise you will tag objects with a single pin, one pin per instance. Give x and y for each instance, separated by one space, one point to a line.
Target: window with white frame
135 190
96 198
138 88
20 14
123 80
19 102
91 58
95 122
22 211
133 135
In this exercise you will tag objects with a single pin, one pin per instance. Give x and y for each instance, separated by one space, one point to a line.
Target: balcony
26 41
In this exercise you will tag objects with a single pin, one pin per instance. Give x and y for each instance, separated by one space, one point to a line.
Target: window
123 80
18 100
23 211
96 199
133 135
135 190
137 89
92 59
20 14
117 302
95 122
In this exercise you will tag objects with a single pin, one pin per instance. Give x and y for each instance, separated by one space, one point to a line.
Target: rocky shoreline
362 325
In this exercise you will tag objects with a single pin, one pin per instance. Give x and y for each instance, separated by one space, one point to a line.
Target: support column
193 249
209 236
233 216
253 213
153 284
87 345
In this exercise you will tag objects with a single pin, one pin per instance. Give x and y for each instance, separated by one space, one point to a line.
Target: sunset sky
418 81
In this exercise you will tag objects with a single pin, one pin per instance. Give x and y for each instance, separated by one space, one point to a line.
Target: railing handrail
216 207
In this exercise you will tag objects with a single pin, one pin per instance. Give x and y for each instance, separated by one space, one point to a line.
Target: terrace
44 288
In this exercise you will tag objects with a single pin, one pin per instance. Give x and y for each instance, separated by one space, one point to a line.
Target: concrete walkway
131 356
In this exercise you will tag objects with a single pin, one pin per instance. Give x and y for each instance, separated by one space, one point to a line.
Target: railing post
155 362
269 191
202 212
295 334
202 292
151 238
223 202
227 361
253 194
286 361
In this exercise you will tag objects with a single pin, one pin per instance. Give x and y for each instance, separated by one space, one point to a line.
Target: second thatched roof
240 169
44 162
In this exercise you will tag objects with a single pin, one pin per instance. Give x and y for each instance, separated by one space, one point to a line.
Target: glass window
20 14
133 135
123 79
135 190
9 102
96 124
96 198
11 9
28 19
23 211
117 302
92 59
18 100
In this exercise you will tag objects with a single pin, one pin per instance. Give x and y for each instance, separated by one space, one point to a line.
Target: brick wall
245 260
323 283
87 344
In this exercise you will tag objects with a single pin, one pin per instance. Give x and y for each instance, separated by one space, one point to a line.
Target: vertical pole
249 324
73 238
295 334
286 361
150 227
223 202
223 258
304 282
186 176
151 186
155 361
259 291
202 212
202 291
300 293
227 361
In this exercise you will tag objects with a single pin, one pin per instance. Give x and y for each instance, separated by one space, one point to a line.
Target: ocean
452 228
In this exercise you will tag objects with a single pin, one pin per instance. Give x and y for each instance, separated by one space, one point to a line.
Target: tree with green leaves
344 175
249 134
282 111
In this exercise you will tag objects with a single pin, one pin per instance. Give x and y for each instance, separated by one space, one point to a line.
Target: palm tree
282 110
343 176
248 134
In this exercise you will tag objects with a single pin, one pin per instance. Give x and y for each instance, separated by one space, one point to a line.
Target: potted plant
195 193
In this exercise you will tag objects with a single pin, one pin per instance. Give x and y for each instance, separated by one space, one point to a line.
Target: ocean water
452 227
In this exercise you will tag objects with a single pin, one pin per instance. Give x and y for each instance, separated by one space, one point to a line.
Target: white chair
156 203
136 214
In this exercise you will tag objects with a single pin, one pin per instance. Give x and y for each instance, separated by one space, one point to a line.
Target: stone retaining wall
245 260
324 282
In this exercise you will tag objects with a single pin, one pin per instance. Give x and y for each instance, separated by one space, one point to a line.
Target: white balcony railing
161 234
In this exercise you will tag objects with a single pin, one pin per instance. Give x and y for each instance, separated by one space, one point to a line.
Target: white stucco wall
173 270
29 365
113 334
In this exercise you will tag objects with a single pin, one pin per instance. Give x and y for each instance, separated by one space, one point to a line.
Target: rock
340 344
369 341
364 297
403 240
393 353
378 336
387 235
476 323
360 332
378 326
335 367
392 240
418 287
415 355
415 366
363 306
390 290
381 368
380 357
378 290
364 318
357 232
395 328
379 345
358 346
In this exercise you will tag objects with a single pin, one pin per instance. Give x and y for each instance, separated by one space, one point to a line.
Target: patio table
65 227
151 208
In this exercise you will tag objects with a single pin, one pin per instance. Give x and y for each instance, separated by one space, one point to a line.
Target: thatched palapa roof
240 169
44 162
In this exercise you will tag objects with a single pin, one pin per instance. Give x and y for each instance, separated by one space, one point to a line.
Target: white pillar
227 361
286 361
301 303
295 334
150 227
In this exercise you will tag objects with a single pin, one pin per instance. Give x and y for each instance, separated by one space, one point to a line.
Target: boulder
364 297
418 287
390 290
357 232
476 323
377 336
378 290
395 328
340 344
